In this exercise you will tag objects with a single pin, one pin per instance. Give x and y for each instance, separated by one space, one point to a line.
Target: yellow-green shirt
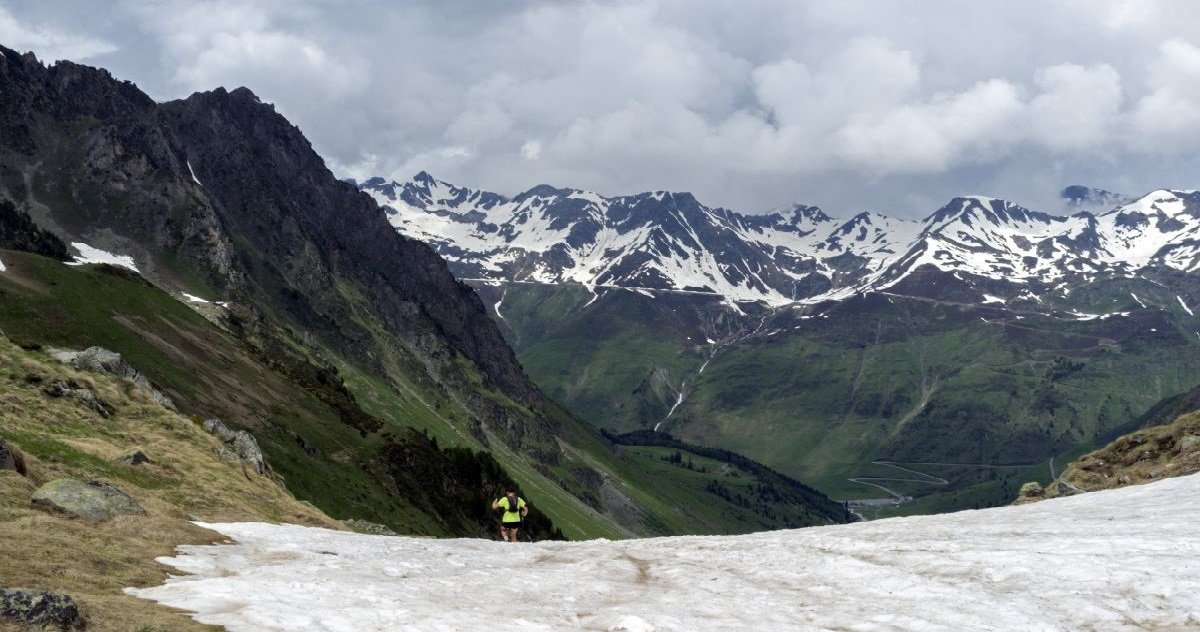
511 514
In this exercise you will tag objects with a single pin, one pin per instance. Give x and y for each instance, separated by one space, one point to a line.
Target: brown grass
93 562
1137 458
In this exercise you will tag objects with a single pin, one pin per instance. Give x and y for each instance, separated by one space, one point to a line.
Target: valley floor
1124 559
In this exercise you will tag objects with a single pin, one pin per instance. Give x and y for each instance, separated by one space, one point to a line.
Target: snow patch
1110 560
988 298
88 254
1139 301
194 299
2 268
191 171
1177 297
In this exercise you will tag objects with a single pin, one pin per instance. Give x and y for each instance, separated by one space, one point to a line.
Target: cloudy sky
888 105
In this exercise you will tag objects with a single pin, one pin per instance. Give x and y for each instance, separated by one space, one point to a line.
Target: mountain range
986 339
663 241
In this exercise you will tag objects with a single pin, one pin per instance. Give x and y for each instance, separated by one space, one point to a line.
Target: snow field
1125 559
88 254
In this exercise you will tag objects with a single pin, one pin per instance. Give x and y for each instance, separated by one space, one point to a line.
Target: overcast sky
891 106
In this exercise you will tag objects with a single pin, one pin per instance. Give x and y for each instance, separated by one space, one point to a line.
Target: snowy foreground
1120 560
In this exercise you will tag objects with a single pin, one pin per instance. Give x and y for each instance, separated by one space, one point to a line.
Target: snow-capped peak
670 241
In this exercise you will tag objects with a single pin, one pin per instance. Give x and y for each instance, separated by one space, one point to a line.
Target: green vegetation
908 380
312 431
360 444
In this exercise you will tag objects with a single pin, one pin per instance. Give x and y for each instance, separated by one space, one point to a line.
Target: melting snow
88 254
1125 559
1178 298
1139 301
194 178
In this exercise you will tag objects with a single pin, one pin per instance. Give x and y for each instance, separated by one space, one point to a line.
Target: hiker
514 511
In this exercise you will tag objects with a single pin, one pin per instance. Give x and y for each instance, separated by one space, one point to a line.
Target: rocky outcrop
36 608
101 360
368 527
240 446
11 458
94 500
134 457
1139 457
85 395
1030 492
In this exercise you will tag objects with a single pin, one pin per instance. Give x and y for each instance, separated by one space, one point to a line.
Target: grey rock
134 457
36 608
368 527
92 500
1063 488
86 396
11 459
1188 444
240 446
218 427
101 360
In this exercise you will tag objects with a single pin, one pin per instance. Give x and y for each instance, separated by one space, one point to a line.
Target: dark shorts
510 525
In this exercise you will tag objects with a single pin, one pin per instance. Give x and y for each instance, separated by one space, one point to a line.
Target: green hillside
975 399
404 458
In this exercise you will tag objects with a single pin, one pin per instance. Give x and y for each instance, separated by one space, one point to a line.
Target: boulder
1032 489
368 527
134 457
92 500
86 396
35 608
240 446
1062 488
11 459
1188 444
101 360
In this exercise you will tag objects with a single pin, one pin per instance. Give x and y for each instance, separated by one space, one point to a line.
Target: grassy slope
93 562
209 373
206 371
616 362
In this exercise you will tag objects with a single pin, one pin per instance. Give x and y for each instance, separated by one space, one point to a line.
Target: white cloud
1167 120
230 44
49 43
1077 109
975 125
844 103
531 150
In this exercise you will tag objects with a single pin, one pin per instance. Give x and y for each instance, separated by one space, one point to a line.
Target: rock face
92 500
11 459
34 608
18 232
240 446
101 360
